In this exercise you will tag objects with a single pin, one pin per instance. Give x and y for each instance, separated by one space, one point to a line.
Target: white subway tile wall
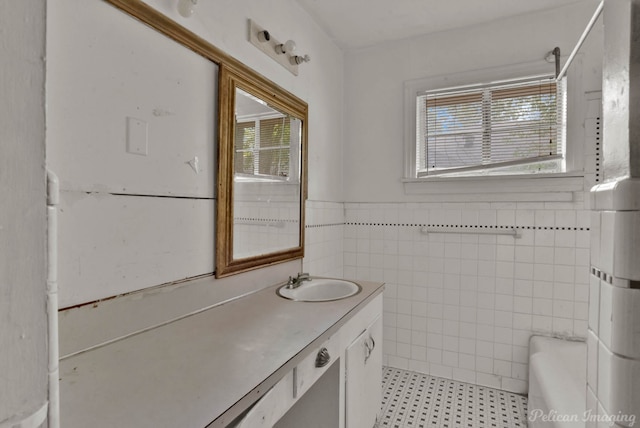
463 306
261 227
324 228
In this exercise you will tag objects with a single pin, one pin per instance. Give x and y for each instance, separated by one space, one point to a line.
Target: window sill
263 179
502 188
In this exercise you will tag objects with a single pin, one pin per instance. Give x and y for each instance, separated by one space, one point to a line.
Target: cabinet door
364 377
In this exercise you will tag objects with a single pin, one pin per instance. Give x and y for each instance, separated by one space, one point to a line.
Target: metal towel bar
471 231
268 223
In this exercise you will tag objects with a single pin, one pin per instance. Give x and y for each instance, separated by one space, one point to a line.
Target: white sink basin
320 290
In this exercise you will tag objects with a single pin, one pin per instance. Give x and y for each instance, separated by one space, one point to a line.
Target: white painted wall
127 220
130 221
374 79
320 82
23 321
621 97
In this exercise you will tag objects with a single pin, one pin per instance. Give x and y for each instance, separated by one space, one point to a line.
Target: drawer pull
323 358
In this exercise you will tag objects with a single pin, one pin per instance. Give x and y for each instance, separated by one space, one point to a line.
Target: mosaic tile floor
417 400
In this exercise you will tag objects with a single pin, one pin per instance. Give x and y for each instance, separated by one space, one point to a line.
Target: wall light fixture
283 53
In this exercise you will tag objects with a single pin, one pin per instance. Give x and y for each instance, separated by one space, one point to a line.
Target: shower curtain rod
586 32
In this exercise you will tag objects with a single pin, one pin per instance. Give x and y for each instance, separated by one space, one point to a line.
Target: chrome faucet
295 282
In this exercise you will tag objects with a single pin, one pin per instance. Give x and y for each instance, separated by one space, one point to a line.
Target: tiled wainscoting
324 234
463 306
261 227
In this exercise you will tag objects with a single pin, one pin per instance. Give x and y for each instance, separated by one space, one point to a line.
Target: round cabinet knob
323 358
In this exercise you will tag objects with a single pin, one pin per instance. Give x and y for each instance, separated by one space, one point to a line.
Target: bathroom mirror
261 173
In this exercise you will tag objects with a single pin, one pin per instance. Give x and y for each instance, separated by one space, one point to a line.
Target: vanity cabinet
337 384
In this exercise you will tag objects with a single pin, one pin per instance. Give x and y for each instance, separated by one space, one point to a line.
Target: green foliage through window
263 147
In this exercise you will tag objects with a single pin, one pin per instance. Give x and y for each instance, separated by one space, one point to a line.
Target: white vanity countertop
204 368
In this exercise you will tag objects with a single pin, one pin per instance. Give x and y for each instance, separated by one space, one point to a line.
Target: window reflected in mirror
266 178
267 141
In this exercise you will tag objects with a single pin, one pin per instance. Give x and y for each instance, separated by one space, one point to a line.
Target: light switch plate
137 136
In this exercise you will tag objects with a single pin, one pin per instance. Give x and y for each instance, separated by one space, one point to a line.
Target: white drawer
312 367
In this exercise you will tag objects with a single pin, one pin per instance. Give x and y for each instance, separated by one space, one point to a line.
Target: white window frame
568 181
294 152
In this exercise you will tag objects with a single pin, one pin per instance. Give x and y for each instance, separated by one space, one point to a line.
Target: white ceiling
358 23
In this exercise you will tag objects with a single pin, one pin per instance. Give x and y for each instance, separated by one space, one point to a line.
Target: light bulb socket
264 36
287 47
297 59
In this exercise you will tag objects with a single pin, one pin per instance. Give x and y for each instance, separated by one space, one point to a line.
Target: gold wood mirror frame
232 83
232 75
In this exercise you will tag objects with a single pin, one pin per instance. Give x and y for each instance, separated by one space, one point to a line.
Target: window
508 127
263 147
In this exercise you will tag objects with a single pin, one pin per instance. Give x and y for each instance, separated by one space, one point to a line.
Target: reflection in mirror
266 189
261 173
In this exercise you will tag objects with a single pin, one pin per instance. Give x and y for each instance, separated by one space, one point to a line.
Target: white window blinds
490 126
262 147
